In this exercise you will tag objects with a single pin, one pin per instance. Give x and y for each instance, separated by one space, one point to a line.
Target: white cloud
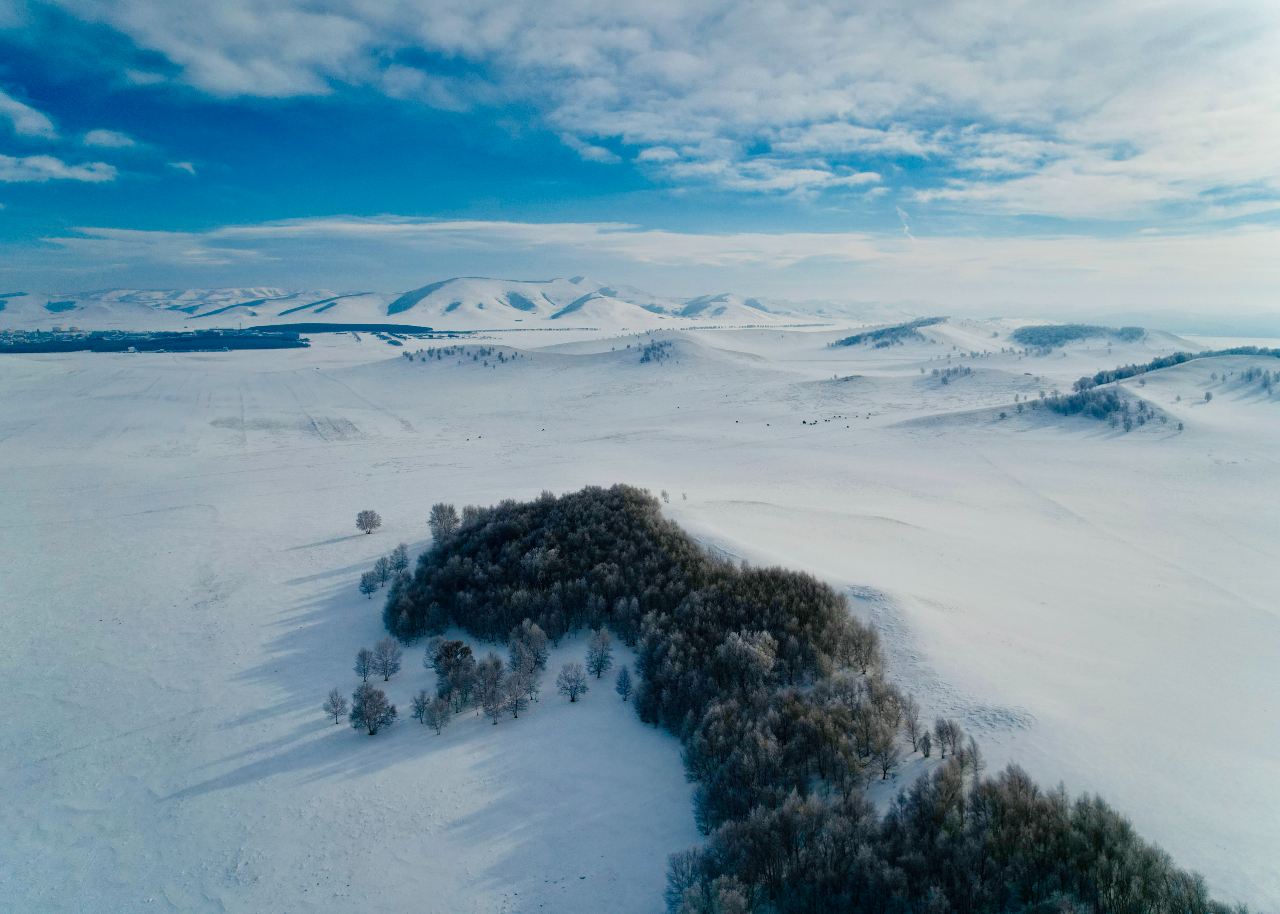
26 121
108 139
39 169
1111 109
184 166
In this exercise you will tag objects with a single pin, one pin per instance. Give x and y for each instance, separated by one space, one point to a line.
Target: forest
1048 336
887 336
779 697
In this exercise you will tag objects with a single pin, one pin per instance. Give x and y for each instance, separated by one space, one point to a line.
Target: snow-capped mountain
462 303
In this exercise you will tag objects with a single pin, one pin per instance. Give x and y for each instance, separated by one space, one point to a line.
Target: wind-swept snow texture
180 569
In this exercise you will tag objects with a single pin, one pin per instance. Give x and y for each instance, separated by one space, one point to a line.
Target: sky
1076 155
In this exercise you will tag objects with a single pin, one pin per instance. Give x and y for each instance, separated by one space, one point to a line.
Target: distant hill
461 303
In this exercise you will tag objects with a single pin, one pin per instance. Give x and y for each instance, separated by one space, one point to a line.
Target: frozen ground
178 562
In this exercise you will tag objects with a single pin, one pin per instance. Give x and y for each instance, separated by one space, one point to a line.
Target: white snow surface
180 565
462 303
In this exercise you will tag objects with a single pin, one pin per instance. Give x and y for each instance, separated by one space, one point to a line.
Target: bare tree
421 704
386 658
885 751
572 681
489 694
399 558
623 686
368 584
438 715
335 705
911 721
515 692
370 709
599 652
926 743
866 647
382 570
947 733
528 637
364 663
443 521
368 521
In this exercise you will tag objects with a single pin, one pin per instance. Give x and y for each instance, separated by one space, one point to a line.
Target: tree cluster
887 336
954 842
1168 361
656 351
779 697
1049 336
384 569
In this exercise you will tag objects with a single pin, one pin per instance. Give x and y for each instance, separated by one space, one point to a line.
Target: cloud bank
393 253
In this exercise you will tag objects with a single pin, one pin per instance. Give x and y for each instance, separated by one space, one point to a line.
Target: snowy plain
179 562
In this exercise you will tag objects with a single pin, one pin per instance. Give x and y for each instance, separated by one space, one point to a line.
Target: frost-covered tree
438 715
572 681
599 653
368 521
623 686
489 693
370 709
911 721
884 750
528 638
926 743
399 558
382 570
515 692
443 521
335 705
364 663
368 584
421 703
386 658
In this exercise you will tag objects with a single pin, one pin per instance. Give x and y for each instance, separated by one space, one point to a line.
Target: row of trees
370 709
384 569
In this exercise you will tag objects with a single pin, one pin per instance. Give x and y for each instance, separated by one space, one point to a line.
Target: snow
180 565
462 303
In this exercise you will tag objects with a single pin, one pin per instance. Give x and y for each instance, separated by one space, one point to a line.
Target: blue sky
1109 154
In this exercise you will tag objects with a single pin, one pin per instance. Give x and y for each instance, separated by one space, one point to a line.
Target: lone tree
599 653
368 521
421 704
515 692
370 709
335 705
438 715
624 687
443 521
911 721
364 664
399 558
386 658
368 584
572 681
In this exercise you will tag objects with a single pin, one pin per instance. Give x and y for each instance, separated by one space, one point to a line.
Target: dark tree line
887 336
1167 361
778 695
953 842
1048 336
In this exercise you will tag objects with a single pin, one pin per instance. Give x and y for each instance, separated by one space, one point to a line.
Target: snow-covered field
178 562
